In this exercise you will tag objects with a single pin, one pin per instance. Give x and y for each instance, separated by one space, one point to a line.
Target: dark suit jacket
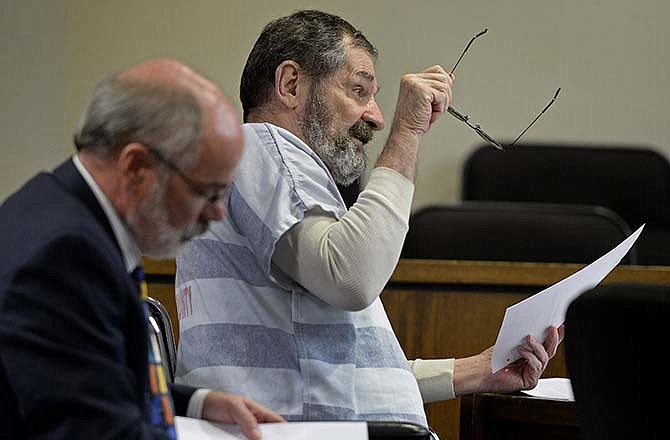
73 336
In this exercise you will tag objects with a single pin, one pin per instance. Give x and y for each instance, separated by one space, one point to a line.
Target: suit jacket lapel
68 176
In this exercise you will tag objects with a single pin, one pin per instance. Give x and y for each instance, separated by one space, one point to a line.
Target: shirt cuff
435 378
197 402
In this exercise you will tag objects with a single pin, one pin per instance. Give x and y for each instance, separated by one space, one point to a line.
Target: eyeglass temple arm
537 117
476 127
468 47
458 115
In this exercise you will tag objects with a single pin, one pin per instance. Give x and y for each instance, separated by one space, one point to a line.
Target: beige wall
609 57
33 130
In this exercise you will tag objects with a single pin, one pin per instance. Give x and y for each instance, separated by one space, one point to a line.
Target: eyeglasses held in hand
476 127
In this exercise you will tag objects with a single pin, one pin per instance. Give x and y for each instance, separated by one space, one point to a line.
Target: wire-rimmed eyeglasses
213 193
476 127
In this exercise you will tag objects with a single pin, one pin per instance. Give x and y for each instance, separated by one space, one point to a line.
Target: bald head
172 74
162 142
219 115
161 103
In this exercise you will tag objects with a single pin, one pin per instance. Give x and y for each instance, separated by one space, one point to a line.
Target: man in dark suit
157 148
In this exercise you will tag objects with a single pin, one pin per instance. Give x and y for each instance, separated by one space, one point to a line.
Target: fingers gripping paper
533 315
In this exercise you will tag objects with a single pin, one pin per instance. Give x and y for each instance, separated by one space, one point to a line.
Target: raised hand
423 97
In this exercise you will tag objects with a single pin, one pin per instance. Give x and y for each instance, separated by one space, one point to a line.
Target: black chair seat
615 337
634 182
499 231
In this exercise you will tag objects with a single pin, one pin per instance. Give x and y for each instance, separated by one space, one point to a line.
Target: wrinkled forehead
358 67
359 64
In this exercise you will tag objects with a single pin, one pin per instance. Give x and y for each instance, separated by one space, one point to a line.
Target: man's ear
290 84
136 171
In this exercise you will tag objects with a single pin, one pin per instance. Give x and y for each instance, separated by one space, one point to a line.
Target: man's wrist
400 152
470 373
404 136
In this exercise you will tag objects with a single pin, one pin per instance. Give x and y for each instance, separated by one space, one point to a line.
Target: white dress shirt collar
132 256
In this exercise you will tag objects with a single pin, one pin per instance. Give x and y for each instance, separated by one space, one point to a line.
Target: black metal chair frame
161 325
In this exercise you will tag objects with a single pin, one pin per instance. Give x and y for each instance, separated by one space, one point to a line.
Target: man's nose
373 116
213 212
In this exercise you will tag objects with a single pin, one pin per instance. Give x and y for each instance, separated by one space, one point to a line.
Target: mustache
362 131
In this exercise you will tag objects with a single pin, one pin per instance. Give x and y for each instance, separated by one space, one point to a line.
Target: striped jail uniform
248 329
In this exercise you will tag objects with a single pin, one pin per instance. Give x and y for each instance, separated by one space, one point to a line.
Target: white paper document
554 388
533 315
195 429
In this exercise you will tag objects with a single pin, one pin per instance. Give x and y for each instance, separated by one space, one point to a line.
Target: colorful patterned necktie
162 409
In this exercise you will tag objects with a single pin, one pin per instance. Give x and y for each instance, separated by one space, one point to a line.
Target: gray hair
315 40
120 112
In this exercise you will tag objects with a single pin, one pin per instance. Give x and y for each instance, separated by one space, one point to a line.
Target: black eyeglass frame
213 193
475 126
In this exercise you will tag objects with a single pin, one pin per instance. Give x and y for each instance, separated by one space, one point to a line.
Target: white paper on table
533 315
554 388
196 429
